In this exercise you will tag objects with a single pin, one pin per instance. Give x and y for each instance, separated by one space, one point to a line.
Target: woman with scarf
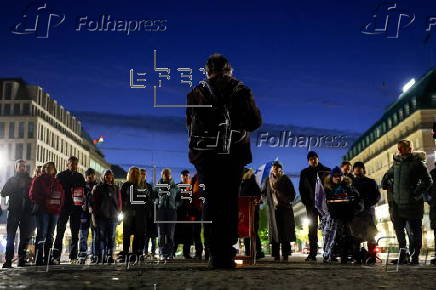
280 193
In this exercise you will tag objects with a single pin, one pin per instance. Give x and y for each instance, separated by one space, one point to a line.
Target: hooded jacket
244 116
17 188
410 181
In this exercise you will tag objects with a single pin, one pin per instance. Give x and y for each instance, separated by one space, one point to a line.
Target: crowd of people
339 201
49 200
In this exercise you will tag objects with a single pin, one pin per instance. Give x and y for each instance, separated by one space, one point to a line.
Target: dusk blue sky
309 65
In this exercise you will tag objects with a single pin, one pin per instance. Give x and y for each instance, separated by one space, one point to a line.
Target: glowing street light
408 85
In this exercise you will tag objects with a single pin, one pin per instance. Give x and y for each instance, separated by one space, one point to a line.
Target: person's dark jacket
410 182
433 200
106 201
307 183
244 116
88 195
17 188
368 191
70 179
249 186
345 192
128 207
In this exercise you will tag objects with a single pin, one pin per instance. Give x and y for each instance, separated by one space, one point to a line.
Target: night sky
309 65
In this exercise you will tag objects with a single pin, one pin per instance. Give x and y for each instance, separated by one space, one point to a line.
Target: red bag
78 195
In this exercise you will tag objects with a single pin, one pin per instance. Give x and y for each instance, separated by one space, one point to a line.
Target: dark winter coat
244 116
106 201
307 184
70 179
17 188
249 186
345 192
364 223
281 223
410 182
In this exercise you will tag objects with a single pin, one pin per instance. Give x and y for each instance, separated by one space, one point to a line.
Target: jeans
85 226
24 221
73 214
222 180
166 231
45 224
104 233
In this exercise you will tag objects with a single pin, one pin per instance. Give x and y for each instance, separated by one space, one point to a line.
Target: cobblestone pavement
179 274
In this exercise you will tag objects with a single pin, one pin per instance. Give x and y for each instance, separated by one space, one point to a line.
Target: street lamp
408 85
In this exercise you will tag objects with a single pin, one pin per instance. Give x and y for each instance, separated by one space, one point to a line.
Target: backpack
211 128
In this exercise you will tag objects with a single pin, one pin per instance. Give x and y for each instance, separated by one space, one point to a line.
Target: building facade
410 117
34 127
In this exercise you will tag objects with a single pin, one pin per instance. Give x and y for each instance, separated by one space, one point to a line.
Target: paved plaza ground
179 274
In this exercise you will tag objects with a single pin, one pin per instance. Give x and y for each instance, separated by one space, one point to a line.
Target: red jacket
47 192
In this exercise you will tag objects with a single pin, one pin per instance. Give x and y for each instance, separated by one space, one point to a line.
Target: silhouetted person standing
308 177
219 147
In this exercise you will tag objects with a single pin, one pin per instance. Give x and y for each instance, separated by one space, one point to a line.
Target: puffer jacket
410 182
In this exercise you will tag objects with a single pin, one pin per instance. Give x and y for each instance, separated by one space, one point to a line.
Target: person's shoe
198 256
74 261
371 261
7 265
215 265
260 255
188 257
277 259
311 258
110 260
433 261
22 263
55 262
285 258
